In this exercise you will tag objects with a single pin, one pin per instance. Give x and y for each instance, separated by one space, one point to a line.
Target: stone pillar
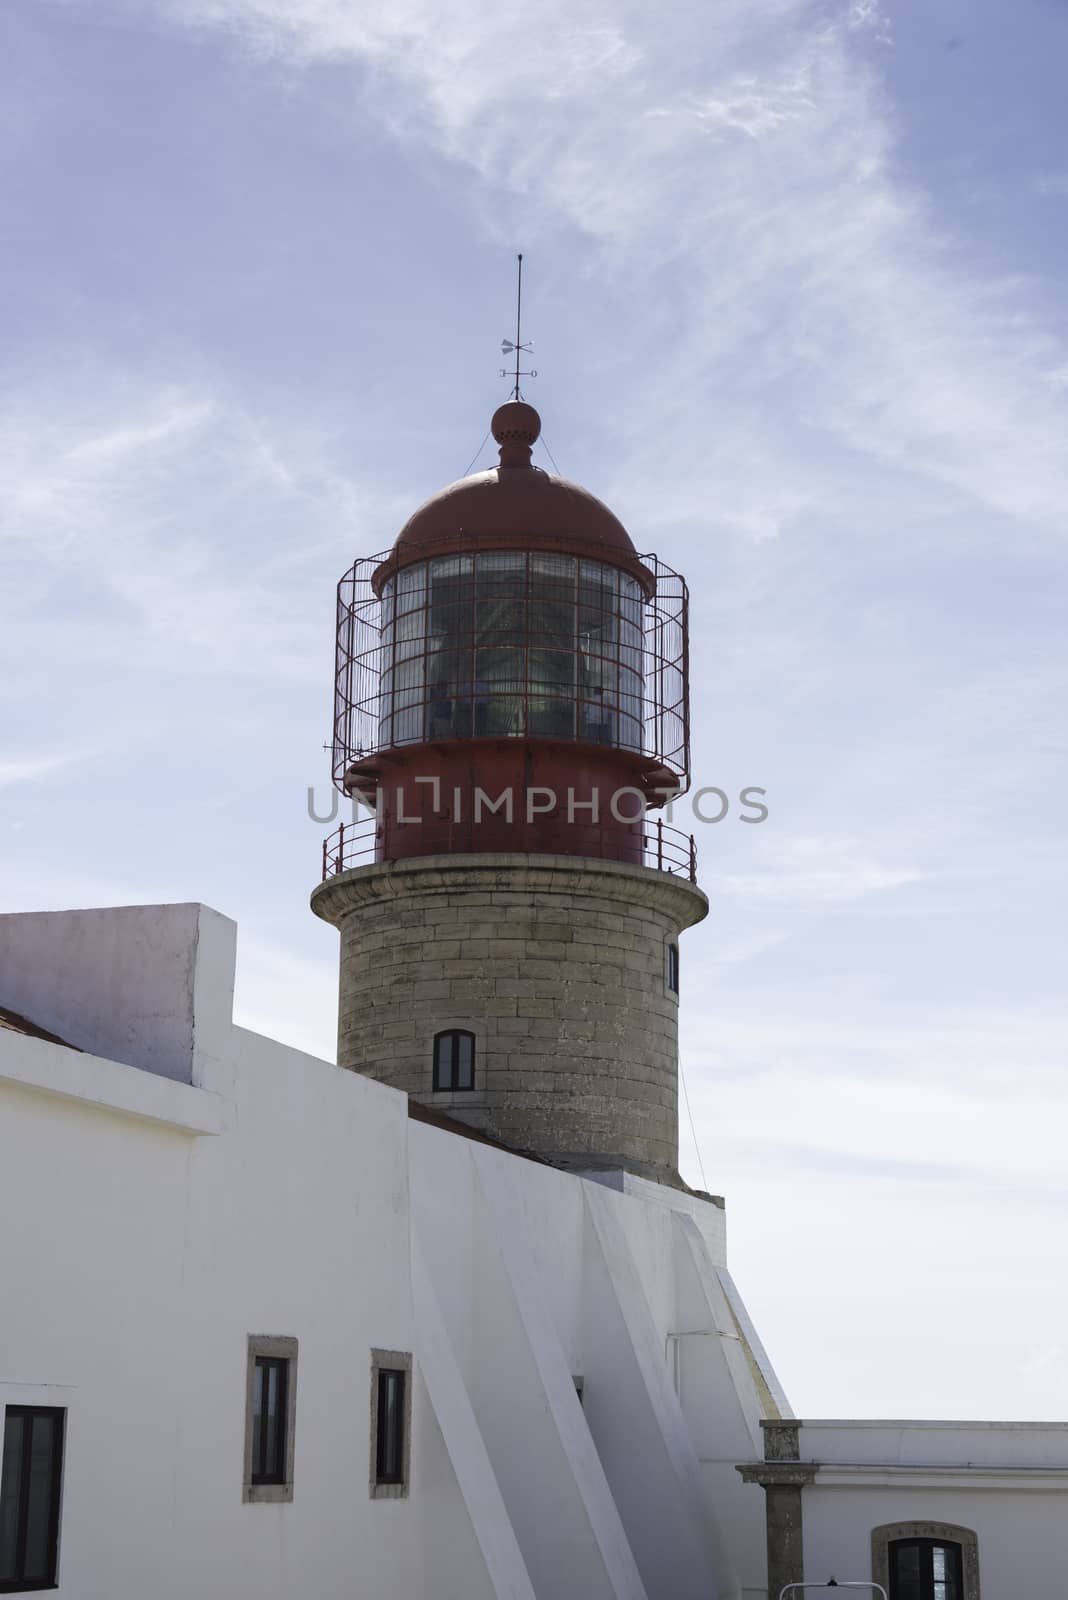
557 964
782 1476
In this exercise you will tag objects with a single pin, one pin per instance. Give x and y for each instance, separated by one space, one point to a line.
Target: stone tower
511 702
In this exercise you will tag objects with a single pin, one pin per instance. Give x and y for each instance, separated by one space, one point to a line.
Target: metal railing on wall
665 849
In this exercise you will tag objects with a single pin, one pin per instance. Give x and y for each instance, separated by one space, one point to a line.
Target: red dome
513 503
515 506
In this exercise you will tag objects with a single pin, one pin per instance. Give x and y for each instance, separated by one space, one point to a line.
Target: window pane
391 1426
257 1420
390 1452
269 1420
411 587
29 1481
465 1061
905 1572
443 1061
277 1421
948 1567
9 1493
514 645
629 733
37 1563
271 1455
408 726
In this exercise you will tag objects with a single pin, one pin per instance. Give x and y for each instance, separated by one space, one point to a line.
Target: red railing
666 849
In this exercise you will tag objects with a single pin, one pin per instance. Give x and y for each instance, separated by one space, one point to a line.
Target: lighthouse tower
512 705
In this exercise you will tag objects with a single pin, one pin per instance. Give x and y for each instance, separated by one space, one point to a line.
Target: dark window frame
889 1533
450 1044
57 1415
276 1485
390 1481
270 1467
390 1450
673 968
925 1545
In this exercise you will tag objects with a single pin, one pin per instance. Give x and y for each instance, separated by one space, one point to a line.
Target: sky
794 276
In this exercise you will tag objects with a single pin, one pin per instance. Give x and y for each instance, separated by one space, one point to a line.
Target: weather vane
508 345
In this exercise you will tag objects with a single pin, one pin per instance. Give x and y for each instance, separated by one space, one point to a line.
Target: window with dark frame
30 1481
454 1059
673 968
389 1441
925 1569
270 1401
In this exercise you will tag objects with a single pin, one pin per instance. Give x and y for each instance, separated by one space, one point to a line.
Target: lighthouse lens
507 644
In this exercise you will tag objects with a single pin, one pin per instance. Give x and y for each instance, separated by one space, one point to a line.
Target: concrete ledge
511 873
777 1474
860 1475
108 1086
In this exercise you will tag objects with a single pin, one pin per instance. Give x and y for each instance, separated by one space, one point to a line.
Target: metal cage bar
512 644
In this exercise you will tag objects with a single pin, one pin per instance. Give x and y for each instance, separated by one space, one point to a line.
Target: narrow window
673 968
454 1059
391 1423
270 1418
925 1569
389 1450
29 1497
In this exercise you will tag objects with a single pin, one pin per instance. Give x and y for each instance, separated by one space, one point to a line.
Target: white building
584 1379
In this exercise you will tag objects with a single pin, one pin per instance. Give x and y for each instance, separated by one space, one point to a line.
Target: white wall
203 1184
1007 1482
137 1259
151 1225
150 986
541 1277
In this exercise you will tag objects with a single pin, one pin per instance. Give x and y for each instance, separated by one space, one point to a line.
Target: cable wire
693 1130
548 452
476 455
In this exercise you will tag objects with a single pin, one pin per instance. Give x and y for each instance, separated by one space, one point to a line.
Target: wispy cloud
1051 185
180 507
816 872
756 146
869 14
32 769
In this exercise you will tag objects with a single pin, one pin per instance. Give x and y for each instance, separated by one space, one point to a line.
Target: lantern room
511 675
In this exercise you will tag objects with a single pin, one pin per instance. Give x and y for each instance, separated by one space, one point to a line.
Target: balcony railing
665 849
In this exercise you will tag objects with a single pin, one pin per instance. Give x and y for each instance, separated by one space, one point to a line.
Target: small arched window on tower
673 968
454 1059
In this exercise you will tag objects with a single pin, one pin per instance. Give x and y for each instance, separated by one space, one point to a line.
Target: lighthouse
511 705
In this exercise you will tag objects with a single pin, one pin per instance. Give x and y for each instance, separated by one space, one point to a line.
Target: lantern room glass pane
508 644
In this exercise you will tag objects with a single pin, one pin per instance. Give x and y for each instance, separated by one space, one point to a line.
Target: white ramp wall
539 1278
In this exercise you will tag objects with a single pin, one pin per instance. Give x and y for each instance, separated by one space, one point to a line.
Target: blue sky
795 279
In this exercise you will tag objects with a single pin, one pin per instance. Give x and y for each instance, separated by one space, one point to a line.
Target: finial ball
515 423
